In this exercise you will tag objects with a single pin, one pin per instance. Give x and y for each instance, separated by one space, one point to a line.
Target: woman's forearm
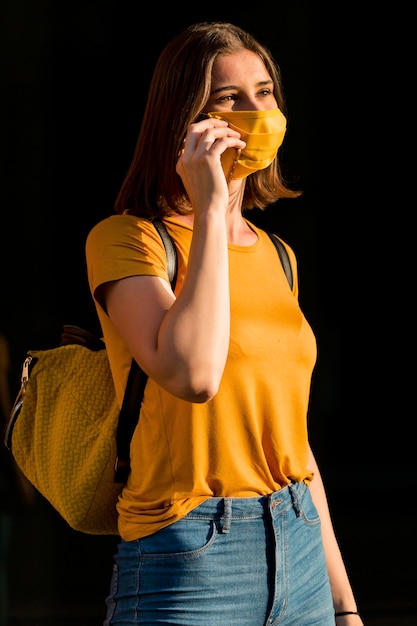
194 334
343 597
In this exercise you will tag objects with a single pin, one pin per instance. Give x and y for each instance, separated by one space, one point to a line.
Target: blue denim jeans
229 562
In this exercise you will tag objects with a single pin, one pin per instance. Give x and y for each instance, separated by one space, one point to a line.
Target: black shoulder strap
170 250
284 258
136 382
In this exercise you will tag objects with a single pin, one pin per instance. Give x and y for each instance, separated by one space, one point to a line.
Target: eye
227 98
265 92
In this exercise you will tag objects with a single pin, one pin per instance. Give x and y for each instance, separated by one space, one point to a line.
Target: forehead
238 68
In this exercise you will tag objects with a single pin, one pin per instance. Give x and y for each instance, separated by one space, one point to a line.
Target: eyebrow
262 83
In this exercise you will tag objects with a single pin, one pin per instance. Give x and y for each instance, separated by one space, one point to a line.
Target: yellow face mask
263 132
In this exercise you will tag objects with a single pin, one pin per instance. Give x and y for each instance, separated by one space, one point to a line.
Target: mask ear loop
232 169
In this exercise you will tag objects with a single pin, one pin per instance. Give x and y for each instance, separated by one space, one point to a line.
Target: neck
236 191
239 232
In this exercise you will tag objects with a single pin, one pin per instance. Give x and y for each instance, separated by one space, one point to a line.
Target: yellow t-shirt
251 438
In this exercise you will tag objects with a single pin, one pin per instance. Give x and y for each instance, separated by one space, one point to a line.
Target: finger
206 138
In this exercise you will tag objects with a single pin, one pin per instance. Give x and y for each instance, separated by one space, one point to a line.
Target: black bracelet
346 613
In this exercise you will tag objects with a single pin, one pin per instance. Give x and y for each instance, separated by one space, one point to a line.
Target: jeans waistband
228 509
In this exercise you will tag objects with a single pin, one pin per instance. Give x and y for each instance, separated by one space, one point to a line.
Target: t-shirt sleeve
121 246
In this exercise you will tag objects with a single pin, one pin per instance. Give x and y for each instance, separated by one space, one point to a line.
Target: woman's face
240 82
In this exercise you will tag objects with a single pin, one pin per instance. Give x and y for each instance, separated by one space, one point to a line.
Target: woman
224 518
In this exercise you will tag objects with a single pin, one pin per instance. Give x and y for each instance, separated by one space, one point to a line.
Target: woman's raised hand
199 162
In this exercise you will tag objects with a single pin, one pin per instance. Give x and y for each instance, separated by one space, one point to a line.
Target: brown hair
179 90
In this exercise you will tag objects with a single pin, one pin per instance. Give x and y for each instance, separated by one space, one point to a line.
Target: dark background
74 78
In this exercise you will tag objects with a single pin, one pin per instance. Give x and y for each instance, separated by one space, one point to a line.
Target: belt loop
295 501
227 515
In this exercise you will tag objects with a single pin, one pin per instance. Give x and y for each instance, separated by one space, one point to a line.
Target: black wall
73 84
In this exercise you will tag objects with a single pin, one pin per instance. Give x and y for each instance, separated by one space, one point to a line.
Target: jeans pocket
186 537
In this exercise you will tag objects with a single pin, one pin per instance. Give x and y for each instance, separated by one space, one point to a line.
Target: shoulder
118 227
121 246
118 234
265 234
284 244
285 252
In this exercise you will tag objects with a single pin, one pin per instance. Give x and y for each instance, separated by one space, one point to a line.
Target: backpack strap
170 249
136 382
283 256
